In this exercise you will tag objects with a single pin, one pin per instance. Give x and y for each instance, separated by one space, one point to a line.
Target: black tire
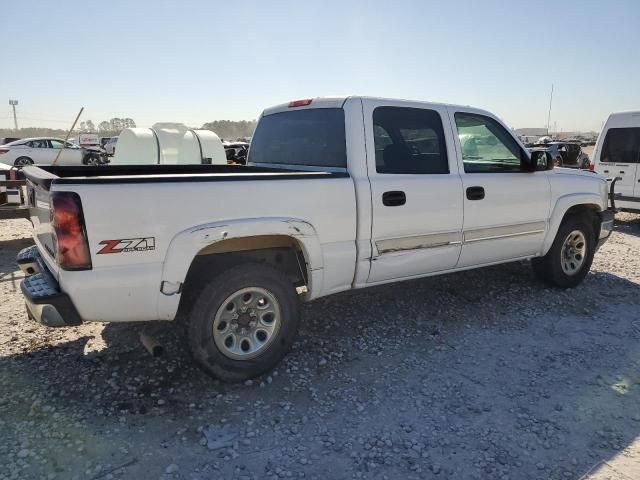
92 159
199 324
22 162
549 268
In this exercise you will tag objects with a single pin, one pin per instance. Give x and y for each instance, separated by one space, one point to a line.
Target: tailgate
38 186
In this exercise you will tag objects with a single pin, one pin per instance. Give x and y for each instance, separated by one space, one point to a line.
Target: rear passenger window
621 145
409 140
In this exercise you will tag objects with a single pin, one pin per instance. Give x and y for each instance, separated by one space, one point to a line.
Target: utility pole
549 115
13 103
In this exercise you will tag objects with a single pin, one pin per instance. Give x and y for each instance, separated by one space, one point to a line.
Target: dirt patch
482 375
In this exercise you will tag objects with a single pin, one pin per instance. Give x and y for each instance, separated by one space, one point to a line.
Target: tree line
113 126
225 129
231 130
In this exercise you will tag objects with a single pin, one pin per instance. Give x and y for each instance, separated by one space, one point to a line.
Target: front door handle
394 198
475 193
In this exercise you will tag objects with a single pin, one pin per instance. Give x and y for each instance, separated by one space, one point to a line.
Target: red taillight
592 167
72 246
4 150
300 103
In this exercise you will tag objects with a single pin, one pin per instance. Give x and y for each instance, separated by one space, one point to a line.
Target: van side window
486 146
621 145
409 141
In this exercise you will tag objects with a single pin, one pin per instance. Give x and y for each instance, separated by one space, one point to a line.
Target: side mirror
541 161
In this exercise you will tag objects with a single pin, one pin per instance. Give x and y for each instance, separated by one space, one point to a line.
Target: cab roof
339 101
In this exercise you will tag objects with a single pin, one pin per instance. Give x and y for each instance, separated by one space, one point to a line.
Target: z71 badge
125 245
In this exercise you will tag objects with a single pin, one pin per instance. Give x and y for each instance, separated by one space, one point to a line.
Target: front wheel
23 162
243 322
569 259
92 159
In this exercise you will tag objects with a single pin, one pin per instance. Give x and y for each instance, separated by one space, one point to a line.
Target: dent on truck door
416 193
509 218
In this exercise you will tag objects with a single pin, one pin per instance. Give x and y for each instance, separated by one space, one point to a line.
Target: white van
617 154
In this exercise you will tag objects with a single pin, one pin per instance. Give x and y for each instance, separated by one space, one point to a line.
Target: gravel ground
480 375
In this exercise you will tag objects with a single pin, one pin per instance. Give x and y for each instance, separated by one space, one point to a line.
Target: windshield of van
309 137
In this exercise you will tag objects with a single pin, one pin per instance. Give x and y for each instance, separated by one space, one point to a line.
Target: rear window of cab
310 137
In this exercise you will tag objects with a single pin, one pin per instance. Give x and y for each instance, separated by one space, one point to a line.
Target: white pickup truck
338 194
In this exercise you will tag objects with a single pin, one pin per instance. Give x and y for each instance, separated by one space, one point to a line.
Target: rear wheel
569 259
243 322
23 162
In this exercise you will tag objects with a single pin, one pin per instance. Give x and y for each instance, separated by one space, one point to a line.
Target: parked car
564 154
43 151
12 193
110 146
104 141
92 146
236 152
337 194
617 154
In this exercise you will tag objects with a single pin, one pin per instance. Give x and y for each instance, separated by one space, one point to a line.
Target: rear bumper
46 303
606 226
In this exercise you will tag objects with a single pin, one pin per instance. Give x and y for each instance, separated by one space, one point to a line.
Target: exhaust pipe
151 344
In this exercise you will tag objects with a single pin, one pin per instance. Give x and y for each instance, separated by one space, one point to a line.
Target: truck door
505 207
619 158
415 188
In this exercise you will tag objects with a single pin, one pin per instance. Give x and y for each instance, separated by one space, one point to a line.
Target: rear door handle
394 198
475 193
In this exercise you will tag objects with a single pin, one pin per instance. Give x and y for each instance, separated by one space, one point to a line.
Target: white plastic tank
202 144
170 137
168 143
136 146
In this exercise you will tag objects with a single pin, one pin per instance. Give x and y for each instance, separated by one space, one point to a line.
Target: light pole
13 103
549 115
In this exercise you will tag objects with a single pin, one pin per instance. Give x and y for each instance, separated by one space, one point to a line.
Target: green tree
104 126
116 124
90 126
231 130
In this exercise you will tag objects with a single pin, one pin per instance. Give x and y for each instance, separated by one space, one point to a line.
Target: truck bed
45 176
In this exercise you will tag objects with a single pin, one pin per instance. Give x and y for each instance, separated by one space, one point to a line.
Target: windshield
310 137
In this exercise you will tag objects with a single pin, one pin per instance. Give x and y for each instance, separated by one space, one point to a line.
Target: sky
198 61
